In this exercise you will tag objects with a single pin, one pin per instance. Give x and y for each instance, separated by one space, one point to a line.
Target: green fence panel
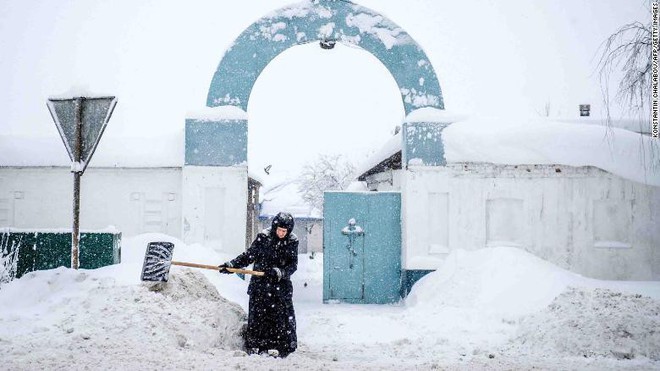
47 250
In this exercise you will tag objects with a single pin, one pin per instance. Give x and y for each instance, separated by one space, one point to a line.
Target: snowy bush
8 260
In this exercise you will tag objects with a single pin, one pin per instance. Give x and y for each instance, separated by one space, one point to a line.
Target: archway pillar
423 153
421 139
422 144
215 180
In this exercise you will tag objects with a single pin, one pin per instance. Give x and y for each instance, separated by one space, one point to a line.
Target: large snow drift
519 304
501 280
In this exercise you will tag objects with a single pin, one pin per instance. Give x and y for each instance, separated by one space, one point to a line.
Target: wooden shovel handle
215 268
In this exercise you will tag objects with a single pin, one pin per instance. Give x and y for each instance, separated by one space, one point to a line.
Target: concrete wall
201 204
583 219
134 200
214 212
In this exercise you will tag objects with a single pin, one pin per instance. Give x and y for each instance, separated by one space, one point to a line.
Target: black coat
271 318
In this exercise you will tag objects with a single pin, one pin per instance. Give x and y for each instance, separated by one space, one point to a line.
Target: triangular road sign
95 114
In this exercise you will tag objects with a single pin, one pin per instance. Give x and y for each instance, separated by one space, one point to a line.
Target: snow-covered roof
518 141
284 196
389 149
158 150
637 126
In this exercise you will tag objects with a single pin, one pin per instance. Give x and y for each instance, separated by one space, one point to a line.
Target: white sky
492 58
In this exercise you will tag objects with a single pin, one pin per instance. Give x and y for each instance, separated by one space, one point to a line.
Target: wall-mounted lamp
327 44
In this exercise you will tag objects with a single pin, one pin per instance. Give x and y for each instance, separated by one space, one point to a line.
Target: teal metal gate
362 247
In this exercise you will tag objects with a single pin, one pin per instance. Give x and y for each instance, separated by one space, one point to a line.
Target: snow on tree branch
326 173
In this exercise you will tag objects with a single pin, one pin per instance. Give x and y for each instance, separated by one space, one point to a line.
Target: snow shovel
158 260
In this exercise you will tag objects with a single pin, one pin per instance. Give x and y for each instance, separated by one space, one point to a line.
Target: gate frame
325 21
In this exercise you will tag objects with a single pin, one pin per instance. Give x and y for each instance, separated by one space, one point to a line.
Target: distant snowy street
498 308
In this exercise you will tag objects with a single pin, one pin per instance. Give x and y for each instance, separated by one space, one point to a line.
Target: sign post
80 122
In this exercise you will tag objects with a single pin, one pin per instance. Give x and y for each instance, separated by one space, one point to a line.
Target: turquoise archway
327 21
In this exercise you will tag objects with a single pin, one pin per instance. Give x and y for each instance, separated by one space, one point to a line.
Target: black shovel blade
157 261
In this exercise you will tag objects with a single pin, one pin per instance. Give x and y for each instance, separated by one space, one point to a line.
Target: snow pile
95 316
79 311
216 322
470 307
501 280
478 301
593 322
496 308
508 302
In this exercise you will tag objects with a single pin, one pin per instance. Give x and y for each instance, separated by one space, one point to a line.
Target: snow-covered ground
497 308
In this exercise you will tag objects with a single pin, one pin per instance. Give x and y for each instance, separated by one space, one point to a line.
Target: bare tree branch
326 173
628 52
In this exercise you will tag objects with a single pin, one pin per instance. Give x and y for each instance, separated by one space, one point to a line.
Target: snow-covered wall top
542 141
325 20
431 114
159 150
217 113
539 141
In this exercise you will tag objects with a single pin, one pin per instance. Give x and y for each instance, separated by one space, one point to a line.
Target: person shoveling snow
271 320
271 327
